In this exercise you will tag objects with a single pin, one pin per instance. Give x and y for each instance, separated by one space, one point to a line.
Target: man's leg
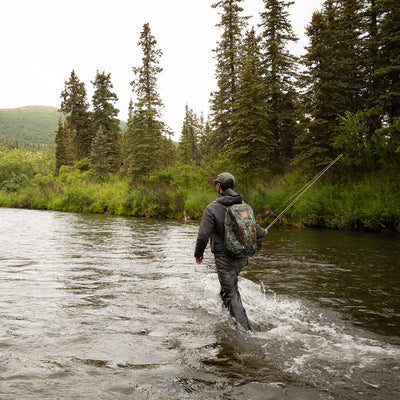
228 269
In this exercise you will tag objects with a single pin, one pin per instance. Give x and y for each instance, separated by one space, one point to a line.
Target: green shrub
367 203
74 200
132 205
15 183
196 202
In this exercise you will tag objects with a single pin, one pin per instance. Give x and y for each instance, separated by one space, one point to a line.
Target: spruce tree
75 107
313 145
373 109
253 144
387 72
167 151
63 147
336 77
205 137
280 77
100 159
124 137
104 119
351 55
227 71
188 151
140 147
145 128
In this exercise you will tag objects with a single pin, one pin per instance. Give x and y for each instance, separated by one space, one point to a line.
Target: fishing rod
304 189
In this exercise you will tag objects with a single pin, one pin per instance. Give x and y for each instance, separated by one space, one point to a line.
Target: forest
275 121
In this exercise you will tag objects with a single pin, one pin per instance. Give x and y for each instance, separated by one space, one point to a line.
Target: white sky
43 40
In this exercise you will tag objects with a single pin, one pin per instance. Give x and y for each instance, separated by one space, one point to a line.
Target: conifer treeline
271 110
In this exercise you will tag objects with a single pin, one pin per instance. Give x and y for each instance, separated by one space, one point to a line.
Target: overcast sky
43 40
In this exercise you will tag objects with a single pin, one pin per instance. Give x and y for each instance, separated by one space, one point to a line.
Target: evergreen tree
63 147
140 147
252 144
100 159
371 49
373 109
313 145
167 151
352 55
205 137
280 77
75 107
227 72
188 151
124 137
104 118
336 77
145 129
387 72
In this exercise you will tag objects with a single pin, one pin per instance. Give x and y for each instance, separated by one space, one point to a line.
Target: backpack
240 230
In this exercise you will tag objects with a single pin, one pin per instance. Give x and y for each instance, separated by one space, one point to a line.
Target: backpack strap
215 201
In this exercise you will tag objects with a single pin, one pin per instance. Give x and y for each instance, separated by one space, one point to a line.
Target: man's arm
205 230
261 232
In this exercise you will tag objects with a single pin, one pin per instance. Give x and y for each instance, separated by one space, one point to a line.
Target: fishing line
300 192
305 186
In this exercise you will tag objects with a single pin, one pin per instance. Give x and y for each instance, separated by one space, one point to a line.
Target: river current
99 307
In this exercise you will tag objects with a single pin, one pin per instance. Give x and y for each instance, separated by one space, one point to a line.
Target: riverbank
368 204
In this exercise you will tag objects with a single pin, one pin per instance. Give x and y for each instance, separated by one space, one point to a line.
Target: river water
98 307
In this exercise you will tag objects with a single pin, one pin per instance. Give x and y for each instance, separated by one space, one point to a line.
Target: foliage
63 143
228 66
334 78
253 144
101 158
145 128
347 102
188 150
387 147
105 147
75 108
32 125
365 205
18 166
387 68
353 140
182 192
280 77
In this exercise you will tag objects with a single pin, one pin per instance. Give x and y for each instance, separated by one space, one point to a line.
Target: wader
228 269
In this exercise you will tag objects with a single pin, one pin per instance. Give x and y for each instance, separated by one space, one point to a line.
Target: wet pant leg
228 269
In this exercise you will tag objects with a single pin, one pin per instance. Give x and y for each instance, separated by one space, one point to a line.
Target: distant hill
29 125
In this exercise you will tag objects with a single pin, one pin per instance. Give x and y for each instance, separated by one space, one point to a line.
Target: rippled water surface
97 307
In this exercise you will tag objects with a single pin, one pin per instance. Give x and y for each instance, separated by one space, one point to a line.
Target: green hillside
29 125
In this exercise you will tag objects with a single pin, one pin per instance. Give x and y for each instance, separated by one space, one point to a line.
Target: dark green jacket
212 225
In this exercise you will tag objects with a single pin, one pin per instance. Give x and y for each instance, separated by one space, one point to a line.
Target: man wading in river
212 228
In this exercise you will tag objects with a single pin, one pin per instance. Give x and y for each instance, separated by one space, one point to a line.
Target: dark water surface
96 307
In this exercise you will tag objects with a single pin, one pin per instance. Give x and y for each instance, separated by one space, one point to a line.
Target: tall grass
370 203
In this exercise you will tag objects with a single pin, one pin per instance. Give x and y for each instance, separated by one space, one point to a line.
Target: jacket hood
229 197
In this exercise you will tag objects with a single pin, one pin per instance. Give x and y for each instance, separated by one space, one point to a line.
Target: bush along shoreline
368 204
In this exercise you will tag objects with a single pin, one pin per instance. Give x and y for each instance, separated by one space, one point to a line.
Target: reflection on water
115 308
